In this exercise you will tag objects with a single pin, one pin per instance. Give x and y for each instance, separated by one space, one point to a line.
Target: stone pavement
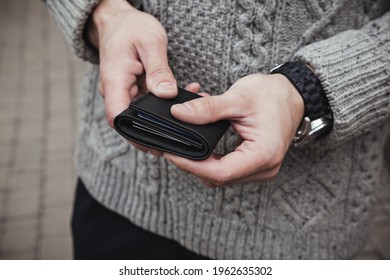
39 81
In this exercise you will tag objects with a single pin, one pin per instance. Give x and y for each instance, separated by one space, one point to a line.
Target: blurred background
39 84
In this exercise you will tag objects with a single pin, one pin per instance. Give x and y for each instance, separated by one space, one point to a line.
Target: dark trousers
99 233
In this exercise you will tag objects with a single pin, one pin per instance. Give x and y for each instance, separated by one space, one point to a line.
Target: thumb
205 110
159 77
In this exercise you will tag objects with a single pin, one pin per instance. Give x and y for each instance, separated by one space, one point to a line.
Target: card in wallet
148 121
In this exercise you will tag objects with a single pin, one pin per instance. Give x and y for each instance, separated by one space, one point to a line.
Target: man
255 197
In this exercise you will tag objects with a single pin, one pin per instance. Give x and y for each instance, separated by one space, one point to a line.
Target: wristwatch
318 118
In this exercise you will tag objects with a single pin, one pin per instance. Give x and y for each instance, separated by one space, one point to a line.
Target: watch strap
309 87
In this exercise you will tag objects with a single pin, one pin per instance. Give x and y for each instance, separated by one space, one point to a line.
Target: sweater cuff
353 69
71 16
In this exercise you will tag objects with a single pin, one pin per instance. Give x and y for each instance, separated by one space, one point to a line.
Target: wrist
293 100
296 105
103 13
318 118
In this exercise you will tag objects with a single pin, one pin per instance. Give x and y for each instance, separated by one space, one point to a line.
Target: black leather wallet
148 121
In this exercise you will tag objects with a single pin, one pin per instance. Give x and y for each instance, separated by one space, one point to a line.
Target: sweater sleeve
72 16
354 69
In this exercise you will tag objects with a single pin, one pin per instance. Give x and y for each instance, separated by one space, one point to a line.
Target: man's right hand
133 55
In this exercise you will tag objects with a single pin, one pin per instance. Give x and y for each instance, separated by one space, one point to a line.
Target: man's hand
133 55
265 111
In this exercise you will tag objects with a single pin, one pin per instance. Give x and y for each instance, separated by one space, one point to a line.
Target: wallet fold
148 121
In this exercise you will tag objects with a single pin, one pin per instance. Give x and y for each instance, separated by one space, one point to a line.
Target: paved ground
39 81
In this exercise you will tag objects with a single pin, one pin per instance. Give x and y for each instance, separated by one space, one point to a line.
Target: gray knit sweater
319 206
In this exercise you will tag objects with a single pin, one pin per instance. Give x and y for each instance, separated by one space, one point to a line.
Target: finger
117 100
205 110
159 77
261 177
242 162
100 88
118 78
156 153
139 147
204 94
193 87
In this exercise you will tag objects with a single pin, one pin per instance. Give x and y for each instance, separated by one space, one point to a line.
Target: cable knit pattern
319 206
253 37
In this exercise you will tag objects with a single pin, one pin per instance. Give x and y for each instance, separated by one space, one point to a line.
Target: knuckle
161 38
110 118
218 182
273 159
156 37
208 184
272 174
134 67
221 180
275 171
158 70
106 64
278 159
208 104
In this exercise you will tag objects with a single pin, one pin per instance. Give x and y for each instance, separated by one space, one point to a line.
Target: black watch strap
308 86
318 118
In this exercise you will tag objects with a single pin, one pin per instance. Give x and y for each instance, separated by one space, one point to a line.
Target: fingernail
164 87
184 107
